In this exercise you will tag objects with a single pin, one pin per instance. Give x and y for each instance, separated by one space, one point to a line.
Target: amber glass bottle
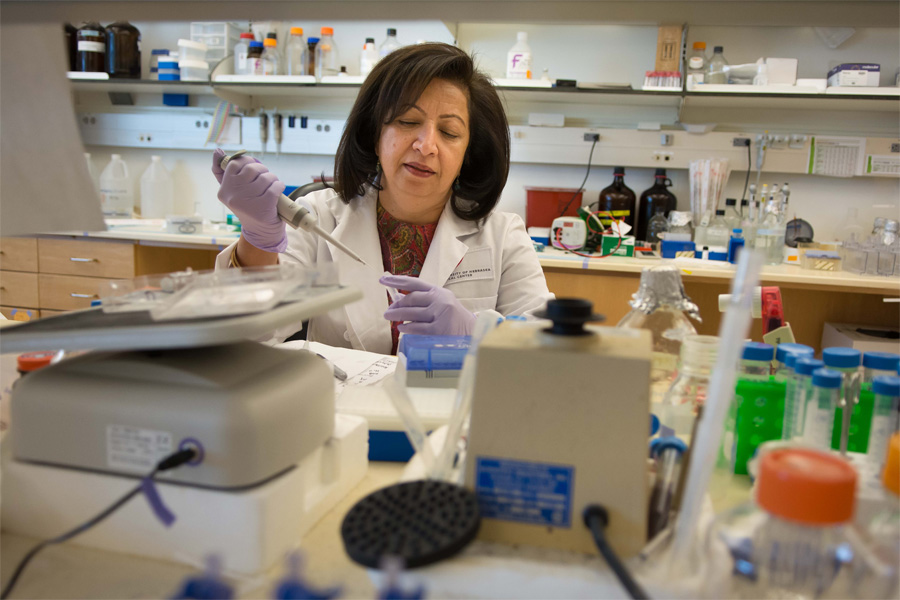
618 199
123 51
91 54
654 198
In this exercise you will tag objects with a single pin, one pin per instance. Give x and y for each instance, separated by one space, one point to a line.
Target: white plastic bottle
327 64
241 49
116 190
157 191
390 44
518 59
296 53
697 64
368 57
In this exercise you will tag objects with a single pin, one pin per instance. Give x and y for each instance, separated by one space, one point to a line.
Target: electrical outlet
778 142
663 157
591 137
740 142
798 142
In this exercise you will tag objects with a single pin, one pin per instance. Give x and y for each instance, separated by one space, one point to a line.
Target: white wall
592 53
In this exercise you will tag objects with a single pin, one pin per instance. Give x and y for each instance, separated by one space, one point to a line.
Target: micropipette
298 216
263 131
276 123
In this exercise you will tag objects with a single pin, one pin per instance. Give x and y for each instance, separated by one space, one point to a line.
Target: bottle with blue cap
884 418
820 408
845 361
795 406
782 371
876 364
756 360
757 410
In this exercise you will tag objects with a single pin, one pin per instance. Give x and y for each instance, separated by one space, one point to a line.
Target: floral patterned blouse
403 250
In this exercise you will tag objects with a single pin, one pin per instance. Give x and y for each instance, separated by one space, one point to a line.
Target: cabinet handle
74 295
73 259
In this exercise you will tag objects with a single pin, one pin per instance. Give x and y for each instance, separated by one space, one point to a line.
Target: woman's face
422 151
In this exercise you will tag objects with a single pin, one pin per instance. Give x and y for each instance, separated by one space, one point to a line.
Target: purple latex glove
251 192
429 309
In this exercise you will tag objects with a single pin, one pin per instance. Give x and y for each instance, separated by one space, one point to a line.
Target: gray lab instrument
253 410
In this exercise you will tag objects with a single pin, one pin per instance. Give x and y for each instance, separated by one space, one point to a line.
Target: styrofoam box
251 529
848 335
219 36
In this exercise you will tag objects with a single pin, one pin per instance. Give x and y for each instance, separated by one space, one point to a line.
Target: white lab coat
489 266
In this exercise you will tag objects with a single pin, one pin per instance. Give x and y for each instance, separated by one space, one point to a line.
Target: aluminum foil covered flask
662 307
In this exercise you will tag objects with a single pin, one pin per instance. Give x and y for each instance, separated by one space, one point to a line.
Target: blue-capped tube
795 405
820 407
885 418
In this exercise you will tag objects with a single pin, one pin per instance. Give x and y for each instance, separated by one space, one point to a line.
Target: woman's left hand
428 309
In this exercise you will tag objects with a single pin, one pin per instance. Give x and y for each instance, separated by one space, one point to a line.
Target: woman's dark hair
391 88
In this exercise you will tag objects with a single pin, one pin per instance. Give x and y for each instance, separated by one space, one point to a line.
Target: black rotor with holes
421 522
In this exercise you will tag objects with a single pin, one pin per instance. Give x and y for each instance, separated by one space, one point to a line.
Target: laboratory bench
48 274
811 298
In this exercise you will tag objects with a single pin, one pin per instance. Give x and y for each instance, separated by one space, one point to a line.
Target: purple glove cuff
264 243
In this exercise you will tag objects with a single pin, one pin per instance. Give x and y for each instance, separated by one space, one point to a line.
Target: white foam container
193 70
190 50
251 530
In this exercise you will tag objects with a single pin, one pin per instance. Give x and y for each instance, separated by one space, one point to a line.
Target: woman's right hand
251 192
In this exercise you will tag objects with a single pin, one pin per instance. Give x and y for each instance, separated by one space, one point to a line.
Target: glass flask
661 307
689 390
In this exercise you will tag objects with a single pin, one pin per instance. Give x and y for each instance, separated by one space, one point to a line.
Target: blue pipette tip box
433 360
175 99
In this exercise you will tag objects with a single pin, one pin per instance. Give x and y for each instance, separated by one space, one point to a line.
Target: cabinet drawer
19 254
14 313
19 289
68 292
90 259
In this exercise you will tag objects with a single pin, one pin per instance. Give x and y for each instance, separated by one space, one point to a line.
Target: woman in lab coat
420 167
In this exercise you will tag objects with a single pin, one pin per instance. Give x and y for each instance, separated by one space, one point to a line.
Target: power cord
596 519
581 187
172 461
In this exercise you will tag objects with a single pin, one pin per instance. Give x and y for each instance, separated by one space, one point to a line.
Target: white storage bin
194 70
192 51
219 37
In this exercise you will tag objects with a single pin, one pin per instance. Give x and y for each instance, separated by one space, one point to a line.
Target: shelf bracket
681 101
244 101
121 98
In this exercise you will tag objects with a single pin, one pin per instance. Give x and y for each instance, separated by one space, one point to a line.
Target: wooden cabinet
48 275
87 258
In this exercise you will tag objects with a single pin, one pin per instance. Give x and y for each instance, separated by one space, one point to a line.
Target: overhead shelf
243 94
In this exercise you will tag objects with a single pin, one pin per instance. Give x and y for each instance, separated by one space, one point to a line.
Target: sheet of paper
883 165
362 368
837 156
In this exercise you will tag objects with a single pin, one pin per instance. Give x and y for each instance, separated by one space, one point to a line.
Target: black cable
581 187
747 180
596 518
170 462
